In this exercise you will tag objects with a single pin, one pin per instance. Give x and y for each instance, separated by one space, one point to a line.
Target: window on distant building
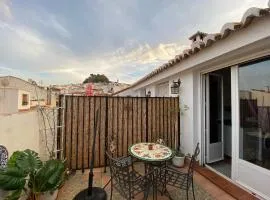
25 99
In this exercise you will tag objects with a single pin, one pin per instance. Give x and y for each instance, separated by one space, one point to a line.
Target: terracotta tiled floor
101 179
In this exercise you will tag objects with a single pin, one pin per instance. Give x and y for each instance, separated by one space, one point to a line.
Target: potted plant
178 159
27 176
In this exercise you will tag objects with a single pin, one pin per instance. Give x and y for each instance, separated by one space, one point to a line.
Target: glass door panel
254 94
253 158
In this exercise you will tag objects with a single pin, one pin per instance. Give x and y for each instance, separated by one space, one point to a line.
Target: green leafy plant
97 78
26 173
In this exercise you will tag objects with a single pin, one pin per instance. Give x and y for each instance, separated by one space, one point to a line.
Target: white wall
21 131
152 89
186 118
8 101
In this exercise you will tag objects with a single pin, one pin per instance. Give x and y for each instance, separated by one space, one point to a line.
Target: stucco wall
186 118
18 83
8 101
22 131
36 92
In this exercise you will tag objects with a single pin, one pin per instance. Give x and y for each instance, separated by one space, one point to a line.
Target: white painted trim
255 167
238 183
235 120
235 62
251 190
201 107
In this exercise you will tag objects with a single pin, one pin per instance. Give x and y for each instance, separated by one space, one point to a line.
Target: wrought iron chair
126 180
169 176
112 151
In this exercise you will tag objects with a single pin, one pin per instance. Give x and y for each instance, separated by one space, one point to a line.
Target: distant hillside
99 89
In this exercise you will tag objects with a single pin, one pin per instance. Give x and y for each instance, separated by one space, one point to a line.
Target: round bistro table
152 157
158 153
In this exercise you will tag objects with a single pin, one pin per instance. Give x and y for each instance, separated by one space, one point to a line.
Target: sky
63 41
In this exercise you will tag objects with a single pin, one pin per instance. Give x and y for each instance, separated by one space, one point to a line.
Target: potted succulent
179 158
27 177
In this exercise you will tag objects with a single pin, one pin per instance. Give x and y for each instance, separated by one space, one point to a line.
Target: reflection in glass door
254 126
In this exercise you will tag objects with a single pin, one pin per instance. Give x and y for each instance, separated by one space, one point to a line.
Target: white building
20 95
217 73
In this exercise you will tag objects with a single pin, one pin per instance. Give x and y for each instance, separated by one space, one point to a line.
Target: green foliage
49 177
12 160
96 78
26 172
12 179
28 161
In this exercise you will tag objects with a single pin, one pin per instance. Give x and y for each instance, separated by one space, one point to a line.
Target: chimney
198 36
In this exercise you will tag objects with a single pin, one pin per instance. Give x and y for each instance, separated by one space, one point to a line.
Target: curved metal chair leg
107 183
193 189
111 191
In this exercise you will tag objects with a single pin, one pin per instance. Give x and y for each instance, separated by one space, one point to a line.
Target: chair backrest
120 172
111 147
3 156
193 160
160 141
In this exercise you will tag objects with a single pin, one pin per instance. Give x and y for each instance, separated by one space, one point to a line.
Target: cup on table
150 146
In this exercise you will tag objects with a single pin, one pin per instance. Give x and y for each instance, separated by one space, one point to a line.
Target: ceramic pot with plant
178 159
28 177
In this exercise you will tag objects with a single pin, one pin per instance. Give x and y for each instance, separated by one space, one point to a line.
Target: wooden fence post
106 134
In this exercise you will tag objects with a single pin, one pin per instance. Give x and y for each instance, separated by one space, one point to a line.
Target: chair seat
138 183
174 178
124 161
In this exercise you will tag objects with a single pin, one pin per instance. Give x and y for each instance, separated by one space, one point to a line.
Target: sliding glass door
253 112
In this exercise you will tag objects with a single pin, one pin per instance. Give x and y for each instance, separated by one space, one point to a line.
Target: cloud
50 21
121 64
222 12
25 47
5 10
145 54
122 45
60 28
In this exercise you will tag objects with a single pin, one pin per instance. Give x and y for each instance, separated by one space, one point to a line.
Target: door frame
203 119
235 112
207 101
198 73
